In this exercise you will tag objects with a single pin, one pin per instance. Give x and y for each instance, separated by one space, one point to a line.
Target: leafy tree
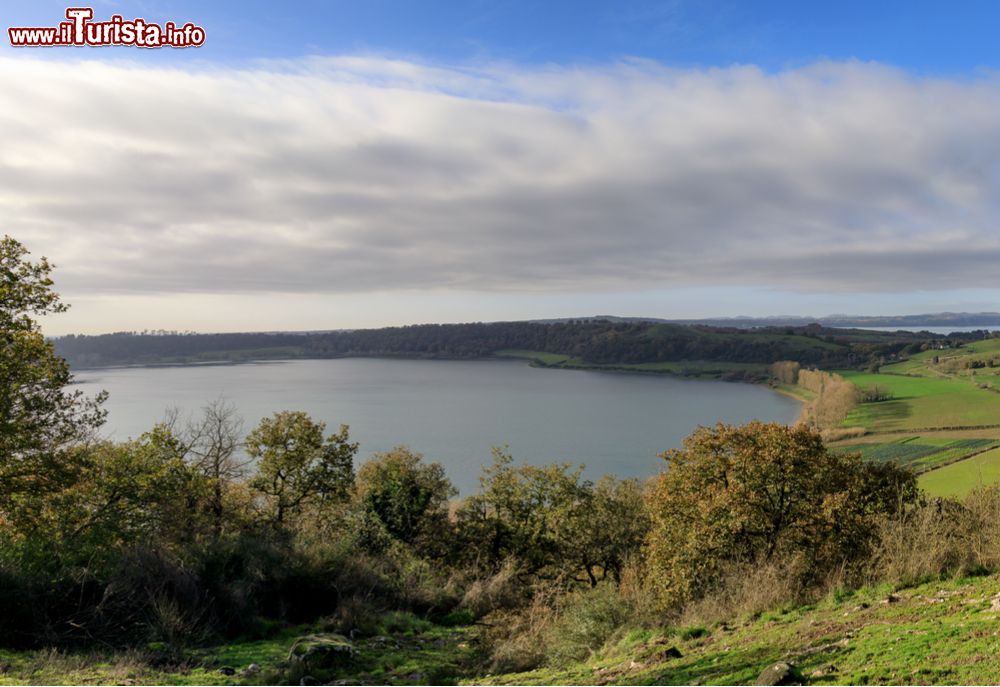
528 513
40 420
753 493
121 495
406 496
297 466
608 530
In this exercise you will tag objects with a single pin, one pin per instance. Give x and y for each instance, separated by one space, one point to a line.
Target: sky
324 165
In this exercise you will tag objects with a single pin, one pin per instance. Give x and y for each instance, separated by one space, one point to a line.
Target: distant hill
588 341
986 320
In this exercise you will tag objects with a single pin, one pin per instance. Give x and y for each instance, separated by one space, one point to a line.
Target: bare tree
212 445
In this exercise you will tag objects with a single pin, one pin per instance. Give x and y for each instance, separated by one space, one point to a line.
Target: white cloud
348 175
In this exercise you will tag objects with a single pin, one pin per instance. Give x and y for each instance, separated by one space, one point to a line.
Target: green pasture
923 403
960 478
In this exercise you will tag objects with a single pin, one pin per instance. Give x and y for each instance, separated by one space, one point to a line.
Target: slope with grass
407 650
942 632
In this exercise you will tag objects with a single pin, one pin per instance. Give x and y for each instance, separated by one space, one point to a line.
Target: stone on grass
322 651
780 674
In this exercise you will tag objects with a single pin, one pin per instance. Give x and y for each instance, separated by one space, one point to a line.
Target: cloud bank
347 175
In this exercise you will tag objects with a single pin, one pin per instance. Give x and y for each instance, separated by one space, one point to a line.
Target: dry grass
502 590
942 538
748 590
841 433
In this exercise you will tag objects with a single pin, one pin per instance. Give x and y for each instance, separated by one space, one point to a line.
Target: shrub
761 493
407 497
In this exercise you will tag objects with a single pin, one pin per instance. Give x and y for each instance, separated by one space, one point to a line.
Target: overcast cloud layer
349 175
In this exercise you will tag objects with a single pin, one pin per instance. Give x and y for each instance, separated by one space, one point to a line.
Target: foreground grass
942 632
937 633
418 652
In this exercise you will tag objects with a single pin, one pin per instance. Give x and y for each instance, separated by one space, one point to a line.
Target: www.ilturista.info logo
80 30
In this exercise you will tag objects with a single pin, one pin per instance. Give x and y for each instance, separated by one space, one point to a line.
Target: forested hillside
595 342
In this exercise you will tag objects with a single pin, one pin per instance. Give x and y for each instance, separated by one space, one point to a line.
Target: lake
453 411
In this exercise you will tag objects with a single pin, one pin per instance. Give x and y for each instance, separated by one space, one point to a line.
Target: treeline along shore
580 343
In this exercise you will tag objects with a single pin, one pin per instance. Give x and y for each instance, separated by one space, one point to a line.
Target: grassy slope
429 654
936 633
940 633
696 368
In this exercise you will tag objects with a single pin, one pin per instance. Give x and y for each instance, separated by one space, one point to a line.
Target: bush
763 493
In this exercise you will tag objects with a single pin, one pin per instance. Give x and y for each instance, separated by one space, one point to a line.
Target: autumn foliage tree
753 494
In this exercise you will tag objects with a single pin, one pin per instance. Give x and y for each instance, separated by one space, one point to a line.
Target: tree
40 420
528 513
121 495
211 446
406 496
759 492
297 466
608 530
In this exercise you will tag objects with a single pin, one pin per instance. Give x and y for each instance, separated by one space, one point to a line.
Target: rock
780 674
995 604
307 680
227 670
891 599
416 678
322 651
250 670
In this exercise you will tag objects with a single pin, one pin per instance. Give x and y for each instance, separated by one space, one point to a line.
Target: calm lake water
453 411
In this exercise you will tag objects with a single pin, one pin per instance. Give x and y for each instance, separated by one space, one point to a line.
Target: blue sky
345 164
923 36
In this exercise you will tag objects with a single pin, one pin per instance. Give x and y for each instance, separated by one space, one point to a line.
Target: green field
951 363
923 403
922 453
962 477
711 369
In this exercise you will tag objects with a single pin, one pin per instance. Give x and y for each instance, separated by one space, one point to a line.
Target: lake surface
932 330
453 411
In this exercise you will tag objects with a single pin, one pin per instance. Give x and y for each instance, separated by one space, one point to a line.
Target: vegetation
748 496
171 558
582 343
961 477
